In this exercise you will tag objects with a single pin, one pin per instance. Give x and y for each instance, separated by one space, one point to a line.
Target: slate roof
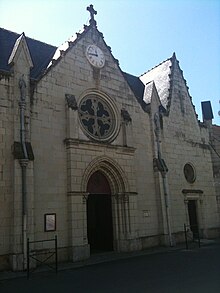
41 53
161 77
135 84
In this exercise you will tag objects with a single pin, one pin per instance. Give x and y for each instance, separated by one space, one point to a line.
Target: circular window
97 117
189 173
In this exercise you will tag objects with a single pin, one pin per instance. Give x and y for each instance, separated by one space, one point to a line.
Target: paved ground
173 271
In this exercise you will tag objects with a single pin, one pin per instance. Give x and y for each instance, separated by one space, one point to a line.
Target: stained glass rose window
97 117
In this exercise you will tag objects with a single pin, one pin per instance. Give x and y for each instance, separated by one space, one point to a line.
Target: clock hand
93 54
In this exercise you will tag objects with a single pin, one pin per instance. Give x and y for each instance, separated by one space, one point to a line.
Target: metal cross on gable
92 13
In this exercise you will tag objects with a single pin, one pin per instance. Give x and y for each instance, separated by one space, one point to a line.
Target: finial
92 13
174 56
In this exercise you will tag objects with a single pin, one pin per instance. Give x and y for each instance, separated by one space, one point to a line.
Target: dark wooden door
193 221
99 214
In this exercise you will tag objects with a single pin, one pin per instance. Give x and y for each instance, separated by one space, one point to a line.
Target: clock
95 56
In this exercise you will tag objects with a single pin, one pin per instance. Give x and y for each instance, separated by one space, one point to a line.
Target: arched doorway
99 213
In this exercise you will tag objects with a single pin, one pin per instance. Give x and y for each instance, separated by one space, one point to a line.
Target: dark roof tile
160 74
41 53
135 84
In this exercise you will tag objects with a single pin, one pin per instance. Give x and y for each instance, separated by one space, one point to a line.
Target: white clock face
95 56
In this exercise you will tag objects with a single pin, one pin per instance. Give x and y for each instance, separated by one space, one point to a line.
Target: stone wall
6 168
63 153
185 141
215 147
65 157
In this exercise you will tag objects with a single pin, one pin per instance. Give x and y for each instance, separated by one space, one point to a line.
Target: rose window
97 117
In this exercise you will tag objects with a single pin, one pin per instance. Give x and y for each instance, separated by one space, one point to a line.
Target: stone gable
67 122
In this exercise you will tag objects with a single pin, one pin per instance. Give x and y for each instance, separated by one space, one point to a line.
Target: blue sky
141 33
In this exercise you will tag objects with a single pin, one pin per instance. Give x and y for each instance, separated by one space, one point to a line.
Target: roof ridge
170 58
40 42
27 37
4 29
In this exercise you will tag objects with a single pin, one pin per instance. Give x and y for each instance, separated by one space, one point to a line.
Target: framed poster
49 222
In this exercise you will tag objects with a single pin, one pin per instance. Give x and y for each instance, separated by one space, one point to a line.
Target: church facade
103 159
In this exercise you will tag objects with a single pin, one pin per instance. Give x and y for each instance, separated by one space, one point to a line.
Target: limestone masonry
103 159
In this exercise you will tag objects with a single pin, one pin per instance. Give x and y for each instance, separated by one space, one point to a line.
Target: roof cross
92 13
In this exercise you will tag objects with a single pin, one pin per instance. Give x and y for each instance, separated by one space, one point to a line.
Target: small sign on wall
50 222
146 213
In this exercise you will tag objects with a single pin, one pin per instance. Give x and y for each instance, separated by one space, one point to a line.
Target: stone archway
112 171
118 195
99 213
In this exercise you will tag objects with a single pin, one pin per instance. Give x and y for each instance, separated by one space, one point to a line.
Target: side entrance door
193 220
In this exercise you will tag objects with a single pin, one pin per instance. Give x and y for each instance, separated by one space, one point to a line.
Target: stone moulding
71 142
113 172
185 191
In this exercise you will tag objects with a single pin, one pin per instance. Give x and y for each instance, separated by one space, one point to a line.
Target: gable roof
44 56
163 77
160 74
20 42
41 53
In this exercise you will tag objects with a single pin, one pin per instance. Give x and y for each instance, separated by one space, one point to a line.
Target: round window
97 117
189 173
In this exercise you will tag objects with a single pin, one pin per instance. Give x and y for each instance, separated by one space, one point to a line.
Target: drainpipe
23 163
167 204
163 174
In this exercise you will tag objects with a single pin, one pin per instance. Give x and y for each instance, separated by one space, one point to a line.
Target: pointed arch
112 171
